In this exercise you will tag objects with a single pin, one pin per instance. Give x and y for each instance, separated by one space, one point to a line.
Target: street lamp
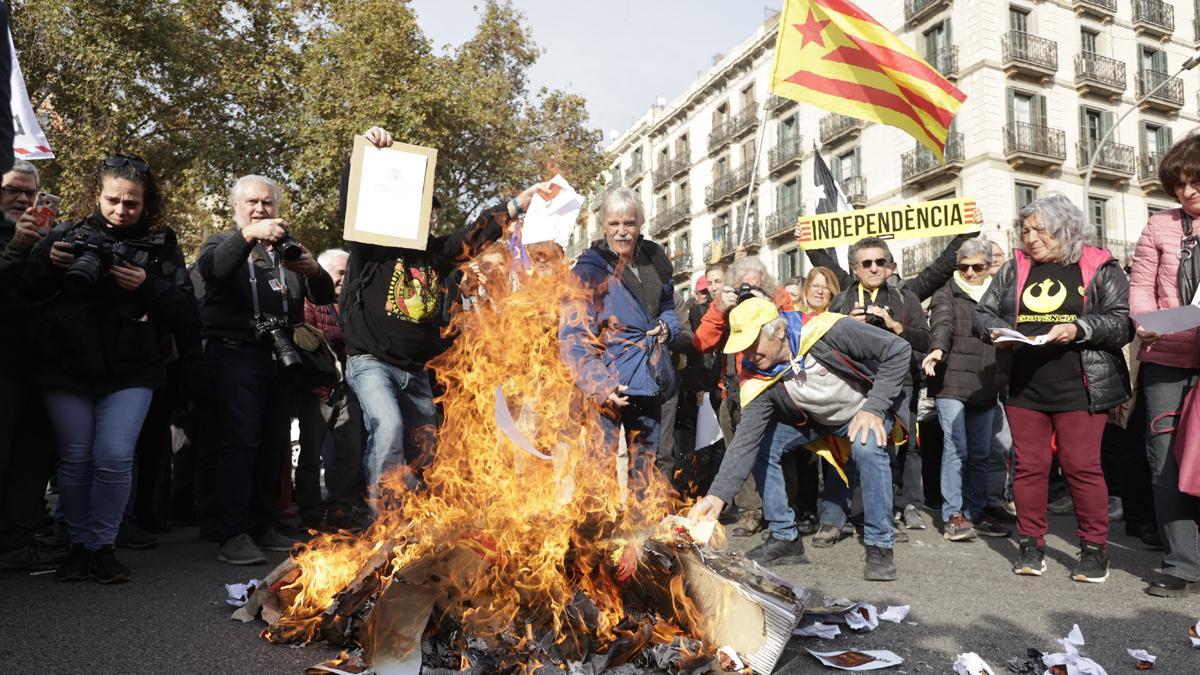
1095 153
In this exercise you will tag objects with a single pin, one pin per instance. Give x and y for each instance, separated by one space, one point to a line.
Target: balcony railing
1148 170
682 263
744 121
786 152
945 61
1168 91
834 126
1099 73
667 219
669 169
752 235
1196 29
636 171
783 221
915 10
1120 249
728 184
1113 160
1026 52
1034 141
1100 8
920 163
1153 16
720 136
855 188
777 104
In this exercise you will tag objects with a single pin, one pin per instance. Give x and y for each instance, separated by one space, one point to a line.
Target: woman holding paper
1164 275
1072 299
963 383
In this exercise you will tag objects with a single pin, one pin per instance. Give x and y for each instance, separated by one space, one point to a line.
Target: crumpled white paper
240 593
1075 663
856 660
1142 655
971 664
1196 628
894 614
856 621
825 631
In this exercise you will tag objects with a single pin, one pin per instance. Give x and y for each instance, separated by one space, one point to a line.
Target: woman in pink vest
1170 362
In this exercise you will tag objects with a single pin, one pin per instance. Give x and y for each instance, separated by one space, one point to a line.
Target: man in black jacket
811 379
246 278
390 311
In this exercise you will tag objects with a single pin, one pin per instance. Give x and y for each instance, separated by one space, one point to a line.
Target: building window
1087 40
1153 59
1018 19
1156 139
682 149
682 197
846 166
1025 194
787 199
1096 211
720 115
1026 108
789 264
748 99
1093 125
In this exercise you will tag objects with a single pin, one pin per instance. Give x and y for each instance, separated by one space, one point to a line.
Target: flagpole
762 132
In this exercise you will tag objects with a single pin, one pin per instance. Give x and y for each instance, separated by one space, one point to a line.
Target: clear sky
618 54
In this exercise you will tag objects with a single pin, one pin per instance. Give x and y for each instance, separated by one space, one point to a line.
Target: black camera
746 291
877 321
288 249
95 251
277 333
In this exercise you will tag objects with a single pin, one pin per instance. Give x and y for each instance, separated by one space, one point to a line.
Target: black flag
830 198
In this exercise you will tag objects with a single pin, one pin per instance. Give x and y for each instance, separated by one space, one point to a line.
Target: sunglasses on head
877 262
976 267
137 163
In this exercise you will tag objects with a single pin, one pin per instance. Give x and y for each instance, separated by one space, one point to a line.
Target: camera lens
83 273
284 349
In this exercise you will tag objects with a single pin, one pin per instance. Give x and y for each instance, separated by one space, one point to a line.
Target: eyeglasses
976 267
868 264
137 163
10 191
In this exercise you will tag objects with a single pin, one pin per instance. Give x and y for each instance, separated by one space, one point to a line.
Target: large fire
519 536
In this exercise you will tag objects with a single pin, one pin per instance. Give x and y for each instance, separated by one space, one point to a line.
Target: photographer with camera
108 291
256 279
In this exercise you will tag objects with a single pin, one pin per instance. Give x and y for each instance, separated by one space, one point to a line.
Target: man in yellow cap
811 377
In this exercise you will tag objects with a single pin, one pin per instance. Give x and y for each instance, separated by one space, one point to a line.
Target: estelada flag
835 56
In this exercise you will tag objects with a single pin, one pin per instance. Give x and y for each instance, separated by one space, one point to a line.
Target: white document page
390 192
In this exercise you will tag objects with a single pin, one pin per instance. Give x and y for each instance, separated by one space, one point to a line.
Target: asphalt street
172 617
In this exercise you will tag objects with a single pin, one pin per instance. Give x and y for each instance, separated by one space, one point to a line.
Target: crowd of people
975 396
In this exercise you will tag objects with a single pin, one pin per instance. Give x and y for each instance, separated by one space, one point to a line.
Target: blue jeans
1000 471
641 421
96 438
967 435
870 465
399 416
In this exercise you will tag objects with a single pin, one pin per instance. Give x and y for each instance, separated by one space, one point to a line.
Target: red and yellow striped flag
834 55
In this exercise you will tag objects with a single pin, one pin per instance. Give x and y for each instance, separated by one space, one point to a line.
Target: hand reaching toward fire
708 508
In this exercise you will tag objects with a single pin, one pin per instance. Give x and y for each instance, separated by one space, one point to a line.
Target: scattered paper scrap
894 614
855 660
729 660
971 664
345 663
1071 659
1194 634
240 593
1145 660
862 617
825 631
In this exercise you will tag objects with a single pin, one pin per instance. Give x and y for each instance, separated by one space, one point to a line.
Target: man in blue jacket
616 342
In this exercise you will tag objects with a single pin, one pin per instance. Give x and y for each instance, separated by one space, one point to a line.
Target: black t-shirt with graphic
1048 377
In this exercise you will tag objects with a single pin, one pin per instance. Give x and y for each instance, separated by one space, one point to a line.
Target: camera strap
254 290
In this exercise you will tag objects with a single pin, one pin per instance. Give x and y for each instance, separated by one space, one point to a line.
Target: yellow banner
901 221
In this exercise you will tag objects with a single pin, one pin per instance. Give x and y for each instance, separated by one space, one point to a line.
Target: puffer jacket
1104 326
1153 284
968 370
605 341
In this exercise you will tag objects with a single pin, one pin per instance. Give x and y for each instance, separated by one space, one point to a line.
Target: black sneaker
958 528
807 523
827 536
999 514
1093 563
779 552
76 566
881 566
1032 559
107 569
1061 506
990 527
131 536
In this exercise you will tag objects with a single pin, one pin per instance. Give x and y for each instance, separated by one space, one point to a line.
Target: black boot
77 566
106 567
881 566
779 552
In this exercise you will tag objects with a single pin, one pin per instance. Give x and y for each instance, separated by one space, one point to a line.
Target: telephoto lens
289 250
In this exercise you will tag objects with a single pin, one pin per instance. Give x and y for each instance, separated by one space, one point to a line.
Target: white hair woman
1068 304
961 372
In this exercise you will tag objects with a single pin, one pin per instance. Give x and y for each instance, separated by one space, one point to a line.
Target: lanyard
874 294
254 290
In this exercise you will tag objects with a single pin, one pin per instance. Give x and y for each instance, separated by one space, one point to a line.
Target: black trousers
28 456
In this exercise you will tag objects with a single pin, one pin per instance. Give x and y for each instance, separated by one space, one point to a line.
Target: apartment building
1045 81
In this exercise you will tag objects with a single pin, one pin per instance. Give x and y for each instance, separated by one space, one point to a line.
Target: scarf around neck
973 292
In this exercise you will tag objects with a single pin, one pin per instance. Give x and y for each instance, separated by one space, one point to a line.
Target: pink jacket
1153 285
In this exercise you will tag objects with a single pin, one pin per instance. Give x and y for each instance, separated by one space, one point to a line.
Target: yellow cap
746 322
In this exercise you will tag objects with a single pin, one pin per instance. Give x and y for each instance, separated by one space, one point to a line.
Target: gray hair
623 200
771 326
1063 222
328 255
979 247
27 167
235 192
869 242
743 266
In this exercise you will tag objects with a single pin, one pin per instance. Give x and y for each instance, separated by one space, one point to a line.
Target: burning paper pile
511 561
